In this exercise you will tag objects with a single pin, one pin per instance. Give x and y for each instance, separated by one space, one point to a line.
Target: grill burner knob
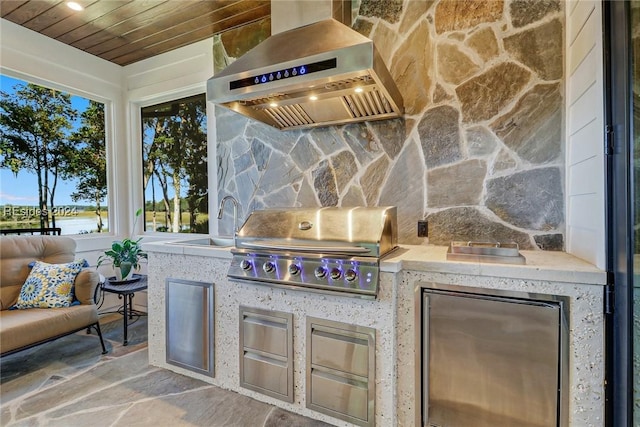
335 273
320 272
294 269
245 264
268 267
350 275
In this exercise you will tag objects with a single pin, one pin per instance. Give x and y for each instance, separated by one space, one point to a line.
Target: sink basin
221 242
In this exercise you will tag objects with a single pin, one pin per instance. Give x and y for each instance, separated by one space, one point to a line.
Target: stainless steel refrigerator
493 360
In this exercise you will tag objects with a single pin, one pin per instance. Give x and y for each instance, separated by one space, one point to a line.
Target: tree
195 163
175 152
88 159
34 126
154 159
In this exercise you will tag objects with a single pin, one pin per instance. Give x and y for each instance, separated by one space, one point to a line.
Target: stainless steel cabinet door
491 361
189 325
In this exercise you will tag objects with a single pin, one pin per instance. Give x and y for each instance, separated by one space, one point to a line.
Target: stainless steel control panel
354 275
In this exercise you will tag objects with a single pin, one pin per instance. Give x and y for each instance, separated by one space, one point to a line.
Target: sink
217 241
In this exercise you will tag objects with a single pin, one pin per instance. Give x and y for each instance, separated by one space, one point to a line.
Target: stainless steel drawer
265 335
266 352
341 370
344 396
266 374
343 352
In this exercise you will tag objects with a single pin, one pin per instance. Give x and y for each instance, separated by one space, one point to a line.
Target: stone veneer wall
479 152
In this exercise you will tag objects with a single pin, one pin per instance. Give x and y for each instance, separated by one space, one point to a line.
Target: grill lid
362 231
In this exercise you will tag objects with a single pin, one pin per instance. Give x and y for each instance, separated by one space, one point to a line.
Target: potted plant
125 255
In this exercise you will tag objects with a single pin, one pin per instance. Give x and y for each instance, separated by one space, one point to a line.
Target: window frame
109 131
137 193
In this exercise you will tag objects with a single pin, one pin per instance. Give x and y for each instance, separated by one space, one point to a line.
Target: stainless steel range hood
320 74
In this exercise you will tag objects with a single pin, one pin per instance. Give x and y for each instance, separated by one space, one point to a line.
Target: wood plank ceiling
127 31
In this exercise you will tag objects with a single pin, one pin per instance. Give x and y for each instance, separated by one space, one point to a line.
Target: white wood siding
173 75
585 170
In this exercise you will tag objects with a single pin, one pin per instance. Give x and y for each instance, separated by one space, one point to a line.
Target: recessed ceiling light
313 98
273 104
75 6
359 90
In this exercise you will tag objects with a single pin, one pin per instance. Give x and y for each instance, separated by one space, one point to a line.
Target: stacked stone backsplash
479 152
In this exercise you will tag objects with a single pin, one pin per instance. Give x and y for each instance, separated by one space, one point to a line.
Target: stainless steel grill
335 250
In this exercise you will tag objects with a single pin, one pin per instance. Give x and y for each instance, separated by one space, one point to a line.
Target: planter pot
124 272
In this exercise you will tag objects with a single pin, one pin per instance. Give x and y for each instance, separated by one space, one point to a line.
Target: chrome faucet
235 211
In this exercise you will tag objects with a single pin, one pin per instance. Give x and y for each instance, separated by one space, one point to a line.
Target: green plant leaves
124 251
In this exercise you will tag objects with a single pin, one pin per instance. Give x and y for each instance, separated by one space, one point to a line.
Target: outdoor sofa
28 327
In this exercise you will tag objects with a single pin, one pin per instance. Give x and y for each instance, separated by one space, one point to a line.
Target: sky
23 188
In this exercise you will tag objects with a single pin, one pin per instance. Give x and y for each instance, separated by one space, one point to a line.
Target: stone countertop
540 265
173 247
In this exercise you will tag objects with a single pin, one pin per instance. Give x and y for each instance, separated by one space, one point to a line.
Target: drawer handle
259 358
263 322
345 338
340 379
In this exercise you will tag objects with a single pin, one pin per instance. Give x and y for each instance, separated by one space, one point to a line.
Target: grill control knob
268 267
350 275
320 272
294 269
245 264
336 273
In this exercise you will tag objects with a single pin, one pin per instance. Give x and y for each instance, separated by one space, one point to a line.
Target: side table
126 292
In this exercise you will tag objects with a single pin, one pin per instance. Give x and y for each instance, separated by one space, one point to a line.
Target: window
52 160
174 156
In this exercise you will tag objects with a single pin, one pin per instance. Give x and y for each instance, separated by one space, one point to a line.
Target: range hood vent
320 74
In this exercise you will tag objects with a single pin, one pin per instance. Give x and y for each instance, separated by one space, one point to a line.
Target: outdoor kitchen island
392 315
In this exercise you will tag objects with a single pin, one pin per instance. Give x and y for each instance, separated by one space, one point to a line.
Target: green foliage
88 159
175 157
34 125
125 251
37 135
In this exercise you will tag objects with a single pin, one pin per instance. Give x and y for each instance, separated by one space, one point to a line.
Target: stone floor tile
69 383
278 417
209 407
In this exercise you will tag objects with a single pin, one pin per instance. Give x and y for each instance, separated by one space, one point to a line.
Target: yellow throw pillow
49 285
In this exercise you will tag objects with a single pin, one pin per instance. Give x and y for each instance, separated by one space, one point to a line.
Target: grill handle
307 248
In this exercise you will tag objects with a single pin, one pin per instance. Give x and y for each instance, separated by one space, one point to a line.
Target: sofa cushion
25 327
16 252
49 285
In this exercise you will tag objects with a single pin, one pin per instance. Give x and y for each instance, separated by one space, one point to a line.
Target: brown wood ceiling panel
127 31
56 13
30 10
8 6
202 33
195 29
104 41
93 12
